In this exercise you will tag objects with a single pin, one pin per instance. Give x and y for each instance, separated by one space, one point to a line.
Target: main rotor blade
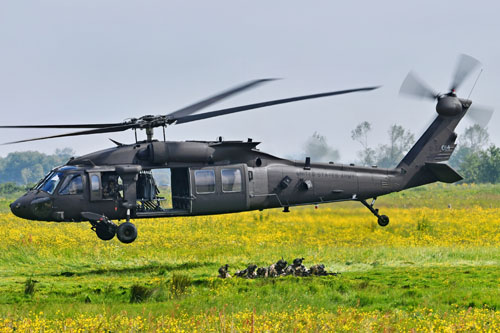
466 64
415 87
222 112
480 115
214 99
65 126
94 131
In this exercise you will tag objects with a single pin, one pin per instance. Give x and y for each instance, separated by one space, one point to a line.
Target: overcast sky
104 61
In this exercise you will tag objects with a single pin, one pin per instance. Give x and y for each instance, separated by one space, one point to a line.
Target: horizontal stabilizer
443 172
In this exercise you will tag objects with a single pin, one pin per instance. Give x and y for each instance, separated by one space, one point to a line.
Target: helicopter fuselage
205 178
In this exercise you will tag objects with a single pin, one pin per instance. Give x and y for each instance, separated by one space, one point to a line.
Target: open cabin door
181 189
172 198
108 191
219 189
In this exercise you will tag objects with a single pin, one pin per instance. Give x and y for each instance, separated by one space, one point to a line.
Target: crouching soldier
248 273
224 272
318 270
277 269
296 268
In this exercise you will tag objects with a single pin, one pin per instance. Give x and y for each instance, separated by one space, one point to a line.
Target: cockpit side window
72 185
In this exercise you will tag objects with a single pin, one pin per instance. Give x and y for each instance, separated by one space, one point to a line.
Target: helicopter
219 177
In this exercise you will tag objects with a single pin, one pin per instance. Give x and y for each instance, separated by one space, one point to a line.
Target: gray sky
103 61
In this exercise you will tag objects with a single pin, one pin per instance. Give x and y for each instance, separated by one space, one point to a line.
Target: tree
11 188
29 166
388 155
400 141
360 134
482 166
473 140
65 152
475 137
318 149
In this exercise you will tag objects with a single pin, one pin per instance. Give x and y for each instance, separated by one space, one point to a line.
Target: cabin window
205 181
72 185
231 180
94 183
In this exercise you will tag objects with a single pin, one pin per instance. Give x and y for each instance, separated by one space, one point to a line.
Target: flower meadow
435 267
342 320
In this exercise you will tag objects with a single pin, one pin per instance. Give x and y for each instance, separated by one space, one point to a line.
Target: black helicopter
217 177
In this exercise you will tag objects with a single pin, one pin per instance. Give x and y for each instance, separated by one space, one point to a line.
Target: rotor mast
149 134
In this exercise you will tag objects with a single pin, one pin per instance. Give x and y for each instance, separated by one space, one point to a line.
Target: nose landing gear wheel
126 232
383 220
104 228
104 231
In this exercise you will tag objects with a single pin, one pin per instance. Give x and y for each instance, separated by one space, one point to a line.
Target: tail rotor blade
480 115
415 87
466 65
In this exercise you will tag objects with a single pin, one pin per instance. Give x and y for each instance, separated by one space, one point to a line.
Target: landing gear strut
105 229
127 232
383 220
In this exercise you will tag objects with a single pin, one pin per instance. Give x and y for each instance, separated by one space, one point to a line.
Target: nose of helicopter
32 206
21 207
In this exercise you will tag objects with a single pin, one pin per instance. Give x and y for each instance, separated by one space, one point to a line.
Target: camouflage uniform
277 269
262 272
280 268
223 272
248 273
318 270
296 268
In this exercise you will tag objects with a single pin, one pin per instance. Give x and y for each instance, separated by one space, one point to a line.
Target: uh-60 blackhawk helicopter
216 177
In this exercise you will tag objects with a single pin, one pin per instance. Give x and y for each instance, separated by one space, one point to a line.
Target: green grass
405 288
75 281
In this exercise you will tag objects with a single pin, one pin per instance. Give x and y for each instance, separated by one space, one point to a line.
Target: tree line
475 158
28 167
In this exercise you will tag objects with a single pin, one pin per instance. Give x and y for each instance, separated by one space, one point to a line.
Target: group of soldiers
280 268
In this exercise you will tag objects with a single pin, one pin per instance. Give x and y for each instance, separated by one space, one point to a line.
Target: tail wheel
126 233
383 220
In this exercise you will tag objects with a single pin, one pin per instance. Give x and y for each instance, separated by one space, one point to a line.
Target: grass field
433 268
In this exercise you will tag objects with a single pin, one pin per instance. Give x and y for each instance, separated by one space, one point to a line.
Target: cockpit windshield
50 182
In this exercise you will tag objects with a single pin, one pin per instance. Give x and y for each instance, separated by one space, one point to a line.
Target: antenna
477 78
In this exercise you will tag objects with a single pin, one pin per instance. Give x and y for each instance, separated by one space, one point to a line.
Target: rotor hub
449 105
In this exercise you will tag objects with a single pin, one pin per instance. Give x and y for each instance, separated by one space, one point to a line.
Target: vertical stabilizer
436 145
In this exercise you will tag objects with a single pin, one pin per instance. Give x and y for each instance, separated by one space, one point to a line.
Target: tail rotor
449 104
